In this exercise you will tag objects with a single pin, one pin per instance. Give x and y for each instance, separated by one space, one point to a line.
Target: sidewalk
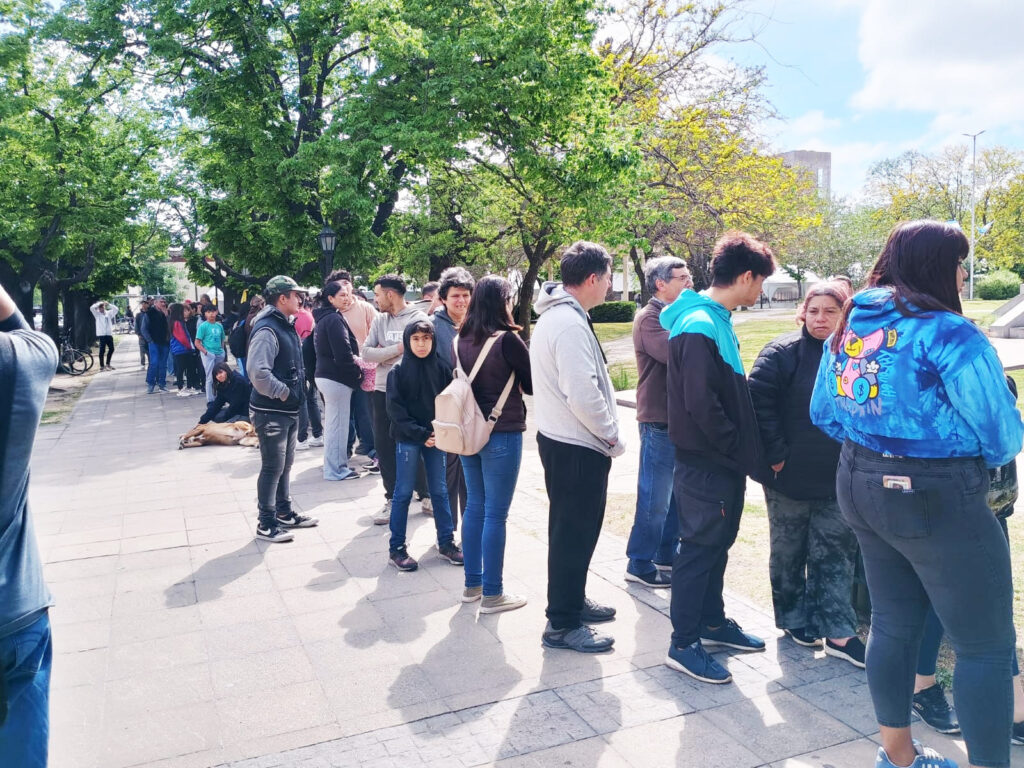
181 641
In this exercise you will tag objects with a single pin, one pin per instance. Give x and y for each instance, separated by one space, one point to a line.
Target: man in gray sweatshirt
577 436
383 346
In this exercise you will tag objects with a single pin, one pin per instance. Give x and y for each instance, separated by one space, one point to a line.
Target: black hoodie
412 385
233 393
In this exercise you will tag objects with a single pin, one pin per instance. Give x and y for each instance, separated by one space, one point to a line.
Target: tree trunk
21 287
76 306
638 267
51 310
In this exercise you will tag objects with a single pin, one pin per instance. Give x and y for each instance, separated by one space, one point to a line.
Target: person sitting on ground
232 401
412 385
813 550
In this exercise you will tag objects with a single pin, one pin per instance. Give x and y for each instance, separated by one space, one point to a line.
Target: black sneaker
731 635
373 467
451 553
401 560
582 639
656 579
273 534
800 636
1017 734
931 706
296 521
852 652
595 613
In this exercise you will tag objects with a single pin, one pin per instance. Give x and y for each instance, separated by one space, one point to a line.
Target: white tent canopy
784 285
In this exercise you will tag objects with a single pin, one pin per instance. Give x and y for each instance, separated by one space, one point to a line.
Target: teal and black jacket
925 386
710 416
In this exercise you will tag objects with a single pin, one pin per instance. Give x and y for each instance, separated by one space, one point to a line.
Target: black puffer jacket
781 383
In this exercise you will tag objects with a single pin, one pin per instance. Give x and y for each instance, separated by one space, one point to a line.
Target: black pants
277 433
106 344
709 503
385 445
577 483
456 482
186 371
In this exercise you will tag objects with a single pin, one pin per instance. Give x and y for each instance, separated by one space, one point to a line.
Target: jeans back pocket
903 513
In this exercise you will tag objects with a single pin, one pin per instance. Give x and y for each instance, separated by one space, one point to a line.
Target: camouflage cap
282 284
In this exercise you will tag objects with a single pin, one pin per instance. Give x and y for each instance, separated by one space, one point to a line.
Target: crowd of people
881 428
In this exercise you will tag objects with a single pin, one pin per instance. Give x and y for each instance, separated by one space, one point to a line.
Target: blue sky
869 79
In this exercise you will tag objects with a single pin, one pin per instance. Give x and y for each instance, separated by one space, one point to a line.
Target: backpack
238 340
309 356
459 424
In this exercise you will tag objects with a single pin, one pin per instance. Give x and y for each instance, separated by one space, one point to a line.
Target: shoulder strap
498 406
480 358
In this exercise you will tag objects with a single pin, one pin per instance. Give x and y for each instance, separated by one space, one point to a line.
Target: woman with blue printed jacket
917 396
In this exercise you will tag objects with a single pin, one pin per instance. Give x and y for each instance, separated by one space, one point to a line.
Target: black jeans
106 344
277 433
309 413
709 503
385 446
937 541
186 372
577 483
455 479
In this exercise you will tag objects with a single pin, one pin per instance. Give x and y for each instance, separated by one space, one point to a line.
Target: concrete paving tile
53 554
178 595
240 640
151 579
262 670
779 725
171 732
156 691
320 574
204 519
130 659
277 745
369 689
89 586
255 582
852 753
622 701
83 636
83 609
157 624
156 558
97 534
594 752
227 611
301 706
79 668
687 740
154 541
846 698
149 522
337 595
235 530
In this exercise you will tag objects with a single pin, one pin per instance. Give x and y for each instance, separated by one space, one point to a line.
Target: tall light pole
327 239
974 175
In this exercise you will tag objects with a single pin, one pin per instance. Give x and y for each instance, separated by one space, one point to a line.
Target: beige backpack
459 424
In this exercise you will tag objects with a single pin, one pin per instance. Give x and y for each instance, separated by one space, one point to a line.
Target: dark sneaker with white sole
273 534
401 560
296 521
800 636
932 706
595 613
852 652
582 639
1017 735
656 579
695 661
731 635
451 553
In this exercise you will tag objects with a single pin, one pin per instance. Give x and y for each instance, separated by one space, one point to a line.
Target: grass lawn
981 310
611 331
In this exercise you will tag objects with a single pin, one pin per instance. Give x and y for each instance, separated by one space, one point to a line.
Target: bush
998 285
613 312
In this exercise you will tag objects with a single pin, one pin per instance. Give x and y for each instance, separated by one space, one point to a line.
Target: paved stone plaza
181 641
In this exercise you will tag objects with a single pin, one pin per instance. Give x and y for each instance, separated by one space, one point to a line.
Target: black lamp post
328 239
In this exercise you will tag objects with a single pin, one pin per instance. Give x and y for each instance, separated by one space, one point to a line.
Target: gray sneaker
584 639
472 594
384 516
502 602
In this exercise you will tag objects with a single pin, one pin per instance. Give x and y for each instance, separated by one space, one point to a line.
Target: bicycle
73 361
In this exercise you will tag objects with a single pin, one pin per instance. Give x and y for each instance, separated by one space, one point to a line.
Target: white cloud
964 64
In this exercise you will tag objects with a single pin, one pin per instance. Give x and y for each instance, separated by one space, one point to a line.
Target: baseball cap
282 284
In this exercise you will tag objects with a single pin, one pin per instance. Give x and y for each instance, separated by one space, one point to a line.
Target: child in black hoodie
413 384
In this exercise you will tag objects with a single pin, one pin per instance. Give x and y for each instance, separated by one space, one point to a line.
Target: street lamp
974 163
328 239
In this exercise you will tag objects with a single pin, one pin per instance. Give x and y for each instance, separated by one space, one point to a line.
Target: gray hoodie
383 342
572 392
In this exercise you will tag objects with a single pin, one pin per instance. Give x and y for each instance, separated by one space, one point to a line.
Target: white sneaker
316 442
184 393
384 516
303 446
427 506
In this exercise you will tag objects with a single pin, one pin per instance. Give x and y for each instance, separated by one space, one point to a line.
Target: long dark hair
919 264
176 312
222 367
331 288
488 310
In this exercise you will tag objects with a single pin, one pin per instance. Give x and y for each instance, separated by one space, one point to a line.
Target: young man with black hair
717 443
577 436
274 363
28 359
454 292
383 346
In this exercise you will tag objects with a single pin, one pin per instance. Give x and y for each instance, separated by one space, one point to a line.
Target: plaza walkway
180 641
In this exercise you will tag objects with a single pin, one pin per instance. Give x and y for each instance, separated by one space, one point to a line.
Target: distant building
817 164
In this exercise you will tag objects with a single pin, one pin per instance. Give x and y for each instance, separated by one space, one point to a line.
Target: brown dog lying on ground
238 433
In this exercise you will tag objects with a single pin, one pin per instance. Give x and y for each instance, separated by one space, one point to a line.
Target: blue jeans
937 542
361 423
490 482
407 460
26 657
156 374
655 526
